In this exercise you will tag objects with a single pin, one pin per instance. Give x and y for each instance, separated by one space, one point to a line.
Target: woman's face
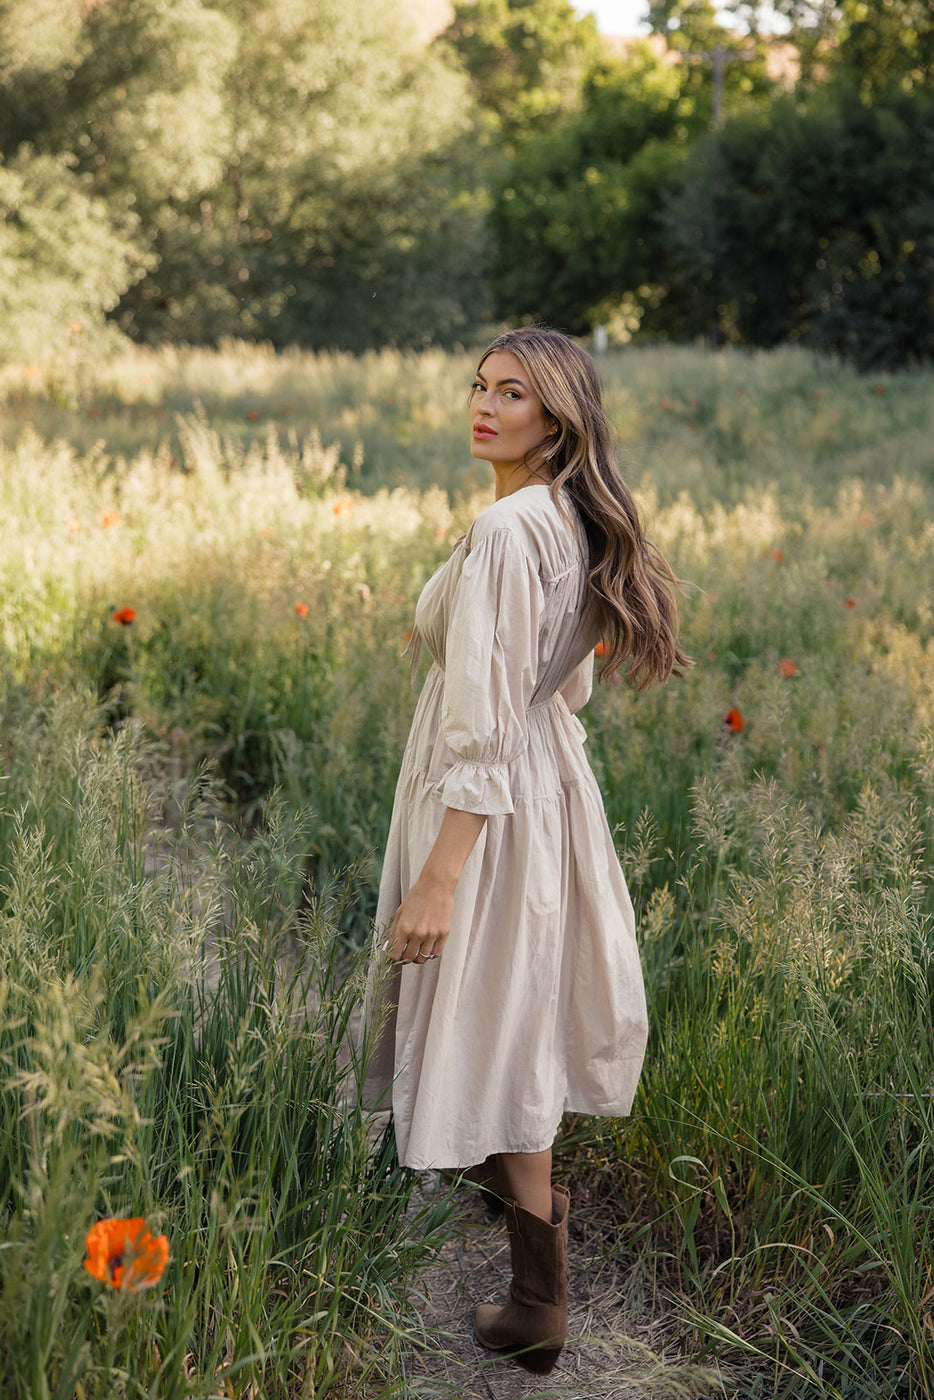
507 418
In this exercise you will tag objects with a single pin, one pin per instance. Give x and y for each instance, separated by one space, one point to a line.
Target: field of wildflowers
208 568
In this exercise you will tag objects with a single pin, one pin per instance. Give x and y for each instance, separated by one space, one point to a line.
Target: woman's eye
476 387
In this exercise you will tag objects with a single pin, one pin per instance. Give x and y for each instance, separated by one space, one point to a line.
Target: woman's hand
422 923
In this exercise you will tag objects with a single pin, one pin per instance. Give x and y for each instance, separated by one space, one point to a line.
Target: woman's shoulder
531 518
528 508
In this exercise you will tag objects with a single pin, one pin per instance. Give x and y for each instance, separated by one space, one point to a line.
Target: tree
64 259
876 45
819 225
577 223
292 169
340 218
527 60
107 110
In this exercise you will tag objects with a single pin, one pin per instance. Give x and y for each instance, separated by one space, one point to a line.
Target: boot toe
485 1320
491 1330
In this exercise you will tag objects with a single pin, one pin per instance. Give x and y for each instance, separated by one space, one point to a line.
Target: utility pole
718 57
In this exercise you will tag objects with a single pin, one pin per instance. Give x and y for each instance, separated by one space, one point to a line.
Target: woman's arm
423 919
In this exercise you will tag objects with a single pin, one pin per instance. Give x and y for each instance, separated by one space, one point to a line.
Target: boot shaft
539 1253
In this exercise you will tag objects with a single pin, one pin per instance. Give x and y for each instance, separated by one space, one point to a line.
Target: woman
516 991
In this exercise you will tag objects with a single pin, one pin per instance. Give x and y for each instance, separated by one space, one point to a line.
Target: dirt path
612 1351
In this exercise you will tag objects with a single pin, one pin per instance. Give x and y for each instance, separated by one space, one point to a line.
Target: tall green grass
776 1175
174 1044
778 1164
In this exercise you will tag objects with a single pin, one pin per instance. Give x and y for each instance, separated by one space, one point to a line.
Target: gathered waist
536 706
549 719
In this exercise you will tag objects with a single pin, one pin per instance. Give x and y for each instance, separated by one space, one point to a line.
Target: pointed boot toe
496 1330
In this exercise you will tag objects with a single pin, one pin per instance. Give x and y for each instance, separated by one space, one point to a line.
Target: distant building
430 17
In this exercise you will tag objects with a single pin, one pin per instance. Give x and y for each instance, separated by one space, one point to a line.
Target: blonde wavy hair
633 587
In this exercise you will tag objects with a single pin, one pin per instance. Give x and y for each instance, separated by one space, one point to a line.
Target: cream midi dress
536 1004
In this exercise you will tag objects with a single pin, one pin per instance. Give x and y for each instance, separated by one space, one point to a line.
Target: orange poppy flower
600 649
786 667
851 602
734 721
253 415
73 523
302 609
110 518
778 555
124 1254
343 507
124 616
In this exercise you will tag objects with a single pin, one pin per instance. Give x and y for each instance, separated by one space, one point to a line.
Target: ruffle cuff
482 788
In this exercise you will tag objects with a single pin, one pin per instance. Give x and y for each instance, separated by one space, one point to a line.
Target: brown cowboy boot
533 1325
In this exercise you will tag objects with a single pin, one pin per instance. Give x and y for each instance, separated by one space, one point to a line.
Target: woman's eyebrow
500 382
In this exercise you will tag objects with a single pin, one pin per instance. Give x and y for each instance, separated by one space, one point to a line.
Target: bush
815 223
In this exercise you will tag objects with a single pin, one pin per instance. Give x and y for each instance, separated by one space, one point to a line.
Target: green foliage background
308 172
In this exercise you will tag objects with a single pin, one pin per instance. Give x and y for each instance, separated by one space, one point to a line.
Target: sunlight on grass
208 570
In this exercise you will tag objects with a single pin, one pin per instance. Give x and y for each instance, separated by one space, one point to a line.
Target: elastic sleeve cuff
482 788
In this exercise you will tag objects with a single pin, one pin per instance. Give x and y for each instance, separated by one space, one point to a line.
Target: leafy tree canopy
817 224
879 44
339 219
296 169
527 59
688 24
578 230
64 260
575 222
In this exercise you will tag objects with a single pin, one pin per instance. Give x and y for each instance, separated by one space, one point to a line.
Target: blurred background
343 174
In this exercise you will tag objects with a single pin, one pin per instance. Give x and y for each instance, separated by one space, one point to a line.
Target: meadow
208 570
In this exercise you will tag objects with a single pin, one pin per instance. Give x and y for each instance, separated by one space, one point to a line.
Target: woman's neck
512 479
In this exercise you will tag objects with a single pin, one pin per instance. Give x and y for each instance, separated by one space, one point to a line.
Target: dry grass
618 1346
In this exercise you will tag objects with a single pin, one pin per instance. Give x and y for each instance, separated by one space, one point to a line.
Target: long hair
632 585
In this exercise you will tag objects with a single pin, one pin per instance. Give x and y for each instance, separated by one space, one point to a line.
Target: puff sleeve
491 666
